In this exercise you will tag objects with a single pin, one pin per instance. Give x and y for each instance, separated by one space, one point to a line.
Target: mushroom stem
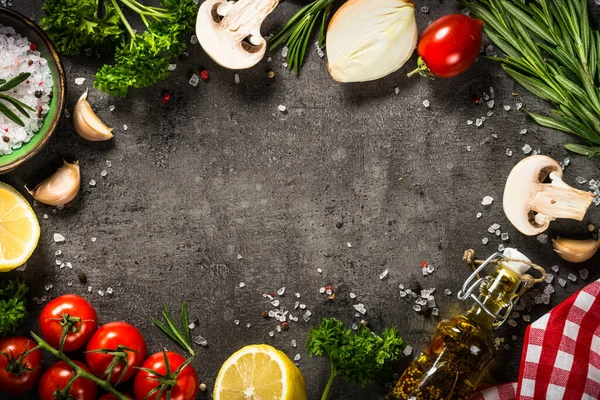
561 201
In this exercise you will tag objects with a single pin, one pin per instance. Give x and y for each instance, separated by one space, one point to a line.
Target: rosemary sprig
182 336
552 51
18 105
296 33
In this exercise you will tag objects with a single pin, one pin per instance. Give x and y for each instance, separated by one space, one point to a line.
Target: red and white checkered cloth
561 355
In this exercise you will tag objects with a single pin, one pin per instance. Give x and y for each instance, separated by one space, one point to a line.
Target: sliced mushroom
575 251
229 32
535 195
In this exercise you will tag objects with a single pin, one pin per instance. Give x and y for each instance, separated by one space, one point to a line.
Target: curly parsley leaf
12 306
74 26
359 357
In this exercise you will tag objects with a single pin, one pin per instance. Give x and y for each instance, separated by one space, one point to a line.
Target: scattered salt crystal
125 127
566 162
492 92
543 238
319 270
194 80
584 273
275 303
426 103
58 238
236 321
474 350
322 290
92 183
489 50
354 326
236 79
479 215
200 341
549 278
545 298
194 39
360 307
284 51
402 293
281 108
48 287
101 292
506 108
487 200
572 277
512 322
489 114
509 152
526 149
485 240
465 11
504 236
191 325
435 311
417 307
424 9
383 275
349 244
407 351
104 173
57 262
562 282
352 295
89 288
67 113
523 131
491 103
58 252
549 289
242 284
468 148
297 295
581 180
478 122
278 328
111 108
469 122
281 291
554 268
172 67
397 90
109 290
526 318
248 325
518 106
448 292
431 302
302 306
45 216
79 81
70 283
501 248
93 239
239 256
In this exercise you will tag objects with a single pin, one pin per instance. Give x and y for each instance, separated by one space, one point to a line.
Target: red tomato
450 45
115 336
56 378
109 396
68 310
187 380
19 375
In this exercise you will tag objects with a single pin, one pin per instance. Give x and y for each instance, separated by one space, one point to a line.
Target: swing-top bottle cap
517 267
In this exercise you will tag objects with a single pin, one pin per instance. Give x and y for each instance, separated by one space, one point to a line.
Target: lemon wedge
259 372
19 229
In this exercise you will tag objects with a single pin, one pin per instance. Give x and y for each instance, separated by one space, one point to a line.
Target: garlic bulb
60 188
369 39
575 251
87 124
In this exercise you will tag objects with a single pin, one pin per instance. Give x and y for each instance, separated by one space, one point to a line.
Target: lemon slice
259 372
19 229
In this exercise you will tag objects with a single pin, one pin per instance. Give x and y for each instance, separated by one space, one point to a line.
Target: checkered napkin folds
561 355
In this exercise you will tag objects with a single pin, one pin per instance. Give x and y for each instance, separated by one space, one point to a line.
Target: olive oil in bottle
460 353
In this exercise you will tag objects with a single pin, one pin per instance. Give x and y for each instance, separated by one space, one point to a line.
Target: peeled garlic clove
575 251
87 124
60 188
367 39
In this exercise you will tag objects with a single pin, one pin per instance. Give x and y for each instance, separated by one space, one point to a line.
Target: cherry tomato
116 336
109 396
19 373
57 377
69 310
450 45
187 380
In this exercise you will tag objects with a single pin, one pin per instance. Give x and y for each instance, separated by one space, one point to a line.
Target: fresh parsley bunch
359 357
12 306
141 58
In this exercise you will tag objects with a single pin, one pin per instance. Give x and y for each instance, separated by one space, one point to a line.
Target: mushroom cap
522 185
230 33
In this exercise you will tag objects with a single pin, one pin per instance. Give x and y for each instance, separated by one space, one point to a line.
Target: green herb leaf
12 306
359 357
14 82
583 150
10 114
181 336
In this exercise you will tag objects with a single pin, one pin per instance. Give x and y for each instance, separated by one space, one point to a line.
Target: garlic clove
367 40
60 188
575 251
87 124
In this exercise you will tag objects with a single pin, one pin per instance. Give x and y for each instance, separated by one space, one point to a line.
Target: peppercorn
285 325
339 225
38 93
82 277
265 314
6 139
30 63
202 387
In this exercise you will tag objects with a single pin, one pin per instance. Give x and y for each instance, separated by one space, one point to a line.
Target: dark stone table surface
218 187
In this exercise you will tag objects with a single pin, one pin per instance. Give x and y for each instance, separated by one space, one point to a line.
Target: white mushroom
535 195
575 251
229 32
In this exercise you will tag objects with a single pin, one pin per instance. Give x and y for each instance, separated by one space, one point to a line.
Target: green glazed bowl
26 27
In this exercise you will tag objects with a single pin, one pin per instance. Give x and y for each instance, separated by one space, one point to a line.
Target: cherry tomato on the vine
450 45
186 387
121 340
20 367
57 377
72 312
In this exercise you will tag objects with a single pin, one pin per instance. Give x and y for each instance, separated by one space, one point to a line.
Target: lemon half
259 372
19 229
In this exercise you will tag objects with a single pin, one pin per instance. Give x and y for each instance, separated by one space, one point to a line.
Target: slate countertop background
218 187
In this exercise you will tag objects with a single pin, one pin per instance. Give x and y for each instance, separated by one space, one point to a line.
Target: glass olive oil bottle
460 353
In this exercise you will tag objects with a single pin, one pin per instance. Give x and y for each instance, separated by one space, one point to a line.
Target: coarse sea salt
17 57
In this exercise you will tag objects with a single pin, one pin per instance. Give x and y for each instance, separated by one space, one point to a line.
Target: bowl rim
62 97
